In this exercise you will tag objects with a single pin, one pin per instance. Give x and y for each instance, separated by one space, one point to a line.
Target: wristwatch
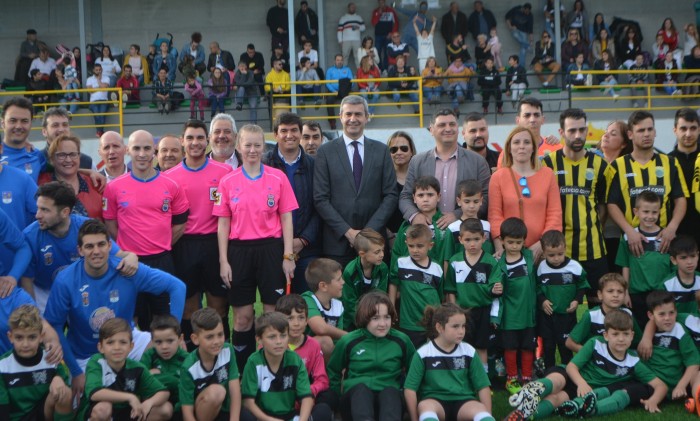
292 257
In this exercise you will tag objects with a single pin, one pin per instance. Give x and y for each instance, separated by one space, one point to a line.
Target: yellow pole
420 103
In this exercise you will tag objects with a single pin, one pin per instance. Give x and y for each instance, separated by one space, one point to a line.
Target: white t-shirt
425 47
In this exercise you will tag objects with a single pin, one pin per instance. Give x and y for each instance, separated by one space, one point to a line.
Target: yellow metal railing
285 106
116 103
649 89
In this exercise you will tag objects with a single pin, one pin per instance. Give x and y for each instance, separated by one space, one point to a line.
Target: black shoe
239 107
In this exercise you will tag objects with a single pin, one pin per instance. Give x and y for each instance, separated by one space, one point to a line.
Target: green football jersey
648 270
452 245
561 285
600 368
419 286
684 294
515 309
333 315
470 283
170 371
673 352
356 285
194 377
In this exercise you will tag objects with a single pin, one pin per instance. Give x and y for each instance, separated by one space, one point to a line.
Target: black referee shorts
196 259
256 264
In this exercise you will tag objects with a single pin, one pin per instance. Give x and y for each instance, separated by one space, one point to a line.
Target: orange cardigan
542 210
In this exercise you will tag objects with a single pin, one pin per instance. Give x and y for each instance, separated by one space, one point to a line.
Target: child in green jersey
685 282
446 379
603 378
275 378
117 387
366 273
469 199
164 359
31 388
210 388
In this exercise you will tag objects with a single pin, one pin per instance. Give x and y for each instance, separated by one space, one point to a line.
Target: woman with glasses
64 156
524 189
402 150
545 58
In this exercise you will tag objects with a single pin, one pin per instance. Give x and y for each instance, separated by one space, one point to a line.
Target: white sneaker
616 96
113 96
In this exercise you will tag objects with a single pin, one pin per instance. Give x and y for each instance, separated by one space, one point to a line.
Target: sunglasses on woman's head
403 148
526 188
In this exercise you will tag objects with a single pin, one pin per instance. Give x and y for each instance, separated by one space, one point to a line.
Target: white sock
483 416
486 368
429 415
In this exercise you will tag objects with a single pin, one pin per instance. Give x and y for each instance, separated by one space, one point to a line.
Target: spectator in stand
367 49
490 83
549 17
164 60
420 18
457 48
278 53
306 24
151 56
426 48
217 91
44 63
638 78
481 20
63 84
110 66
28 51
577 66
692 62
194 88
668 79
256 64
244 86
691 39
630 47
402 71
36 83
306 72
577 19
432 81
350 28
162 91
341 73
597 25
368 70
571 47
493 46
670 33
606 63
279 24
602 41
194 49
453 22
130 87
480 52
308 52
659 49
139 65
385 22
458 83
277 83
516 80
545 59
396 48
98 99
520 21
219 56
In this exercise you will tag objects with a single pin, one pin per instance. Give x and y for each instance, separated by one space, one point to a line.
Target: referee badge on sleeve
166 205
104 203
271 200
214 196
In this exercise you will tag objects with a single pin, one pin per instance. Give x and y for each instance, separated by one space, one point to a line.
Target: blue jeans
217 103
73 107
314 89
381 41
412 96
459 91
99 107
252 101
432 94
372 97
524 41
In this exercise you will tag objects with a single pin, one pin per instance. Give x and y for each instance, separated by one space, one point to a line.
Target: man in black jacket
481 21
453 22
219 56
306 25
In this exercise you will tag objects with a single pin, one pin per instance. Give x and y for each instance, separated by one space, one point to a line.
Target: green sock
615 403
548 386
57 416
602 392
544 409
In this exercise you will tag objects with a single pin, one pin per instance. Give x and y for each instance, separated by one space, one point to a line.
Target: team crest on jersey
104 203
40 377
28 168
48 258
589 174
114 296
99 316
480 278
7 197
659 172
166 205
130 385
665 342
270 200
459 363
221 375
567 278
621 371
214 195
287 382
85 296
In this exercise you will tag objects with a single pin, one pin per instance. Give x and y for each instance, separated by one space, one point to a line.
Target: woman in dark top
402 149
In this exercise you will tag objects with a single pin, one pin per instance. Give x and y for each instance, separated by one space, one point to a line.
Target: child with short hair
490 83
365 273
274 378
602 379
469 199
445 373
31 388
494 45
164 359
70 74
466 283
561 284
325 310
612 289
513 281
374 359
675 359
295 309
117 387
516 79
194 88
209 381
685 282
419 280
644 273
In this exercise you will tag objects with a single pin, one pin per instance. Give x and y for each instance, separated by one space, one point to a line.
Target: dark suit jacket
470 166
226 57
340 205
448 28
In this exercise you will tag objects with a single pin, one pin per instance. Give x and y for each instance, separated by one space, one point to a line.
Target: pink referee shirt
144 210
201 186
255 204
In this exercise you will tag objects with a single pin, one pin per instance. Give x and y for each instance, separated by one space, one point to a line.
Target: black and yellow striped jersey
662 175
695 188
583 187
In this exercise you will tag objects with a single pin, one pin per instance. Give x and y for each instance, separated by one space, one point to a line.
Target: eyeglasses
403 148
62 156
526 188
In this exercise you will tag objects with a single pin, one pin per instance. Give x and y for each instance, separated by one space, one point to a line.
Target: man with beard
581 176
17 114
56 122
686 127
475 132
311 137
222 137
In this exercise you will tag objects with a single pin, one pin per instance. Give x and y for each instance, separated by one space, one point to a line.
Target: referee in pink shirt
255 236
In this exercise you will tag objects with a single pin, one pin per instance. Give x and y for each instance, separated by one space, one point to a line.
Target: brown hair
165 322
113 326
368 306
274 319
287 303
433 315
366 238
25 316
321 270
205 319
507 154
612 277
619 320
63 138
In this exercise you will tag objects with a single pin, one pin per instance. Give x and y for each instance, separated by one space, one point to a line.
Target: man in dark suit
354 183
450 164
219 56
453 22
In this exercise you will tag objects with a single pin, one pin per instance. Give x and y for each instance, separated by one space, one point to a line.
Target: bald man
170 152
146 213
112 151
